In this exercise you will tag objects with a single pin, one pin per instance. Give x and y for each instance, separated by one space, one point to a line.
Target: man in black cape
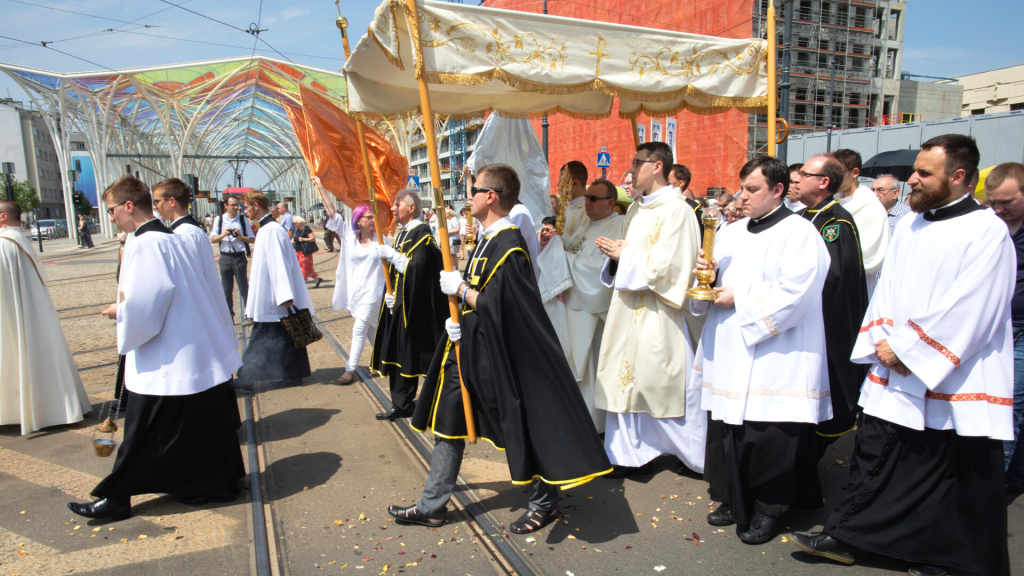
525 399
680 178
412 320
844 299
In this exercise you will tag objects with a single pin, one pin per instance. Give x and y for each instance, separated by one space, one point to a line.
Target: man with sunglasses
234 236
524 397
587 301
643 383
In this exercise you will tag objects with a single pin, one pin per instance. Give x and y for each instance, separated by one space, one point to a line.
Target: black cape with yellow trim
844 301
525 398
407 335
699 212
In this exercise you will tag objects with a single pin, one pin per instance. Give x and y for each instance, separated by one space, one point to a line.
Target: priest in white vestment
39 382
276 288
359 280
871 217
171 197
927 479
762 357
587 301
647 347
182 417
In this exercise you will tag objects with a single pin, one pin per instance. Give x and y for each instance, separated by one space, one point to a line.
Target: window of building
890 63
40 170
977 111
823 44
859 49
1017 106
894 24
803 59
820 95
819 116
800 93
852 118
803 42
805 11
854 98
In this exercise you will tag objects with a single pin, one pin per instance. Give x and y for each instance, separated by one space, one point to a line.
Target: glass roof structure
162 115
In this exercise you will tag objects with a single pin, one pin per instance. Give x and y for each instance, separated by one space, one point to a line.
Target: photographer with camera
234 235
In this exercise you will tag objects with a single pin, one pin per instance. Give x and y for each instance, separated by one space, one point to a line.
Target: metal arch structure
225 107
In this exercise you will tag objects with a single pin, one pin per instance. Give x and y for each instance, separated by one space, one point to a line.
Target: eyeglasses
474 190
235 205
803 174
597 198
110 211
877 190
637 162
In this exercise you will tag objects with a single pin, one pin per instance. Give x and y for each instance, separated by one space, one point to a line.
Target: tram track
261 542
469 504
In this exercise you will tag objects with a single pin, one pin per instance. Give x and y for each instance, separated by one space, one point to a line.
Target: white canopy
522 64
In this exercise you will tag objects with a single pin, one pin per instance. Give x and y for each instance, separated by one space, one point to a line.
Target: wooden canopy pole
442 227
636 132
343 25
771 78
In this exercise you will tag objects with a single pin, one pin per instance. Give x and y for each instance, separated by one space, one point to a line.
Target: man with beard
844 299
411 321
926 481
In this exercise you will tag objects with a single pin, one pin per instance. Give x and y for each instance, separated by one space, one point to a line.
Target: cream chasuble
872 220
764 359
943 303
39 382
642 367
576 224
586 306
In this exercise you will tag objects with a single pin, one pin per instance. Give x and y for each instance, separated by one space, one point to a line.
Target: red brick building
713 147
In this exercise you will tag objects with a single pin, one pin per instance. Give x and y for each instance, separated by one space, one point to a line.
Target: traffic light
77 197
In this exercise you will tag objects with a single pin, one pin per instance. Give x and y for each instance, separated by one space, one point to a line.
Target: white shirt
359 280
230 244
944 305
275 277
157 322
199 246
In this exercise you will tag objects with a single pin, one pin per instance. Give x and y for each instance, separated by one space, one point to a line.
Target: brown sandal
531 521
347 378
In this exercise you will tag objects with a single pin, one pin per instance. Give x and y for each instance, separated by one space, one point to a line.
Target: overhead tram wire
42 45
255 33
80 13
216 44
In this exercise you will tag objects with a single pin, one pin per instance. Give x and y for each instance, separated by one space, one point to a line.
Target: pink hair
358 213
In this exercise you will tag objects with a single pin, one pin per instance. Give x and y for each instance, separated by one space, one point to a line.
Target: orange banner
327 137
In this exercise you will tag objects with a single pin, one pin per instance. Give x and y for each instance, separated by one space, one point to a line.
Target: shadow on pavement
293 474
296 422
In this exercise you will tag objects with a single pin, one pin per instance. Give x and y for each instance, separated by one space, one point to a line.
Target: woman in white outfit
359 281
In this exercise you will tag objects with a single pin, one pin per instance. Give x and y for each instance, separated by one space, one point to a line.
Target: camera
234 232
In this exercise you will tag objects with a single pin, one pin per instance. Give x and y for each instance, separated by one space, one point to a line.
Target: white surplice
199 244
165 296
39 381
586 307
521 218
872 220
764 359
275 276
943 303
359 280
646 350
554 280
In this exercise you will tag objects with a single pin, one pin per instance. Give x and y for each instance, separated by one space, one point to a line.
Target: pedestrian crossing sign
604 160
413 183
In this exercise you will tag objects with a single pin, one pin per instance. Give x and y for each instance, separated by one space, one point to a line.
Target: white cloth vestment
764 359
165 300
872 220
275 276
359 280
39 381
199 244
943 304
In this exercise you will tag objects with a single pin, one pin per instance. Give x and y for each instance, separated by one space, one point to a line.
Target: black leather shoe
627 471
394 414
722 516
821 544
762 529
103 508
318 281
926 571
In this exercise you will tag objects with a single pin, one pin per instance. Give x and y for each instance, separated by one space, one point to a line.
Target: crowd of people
582 349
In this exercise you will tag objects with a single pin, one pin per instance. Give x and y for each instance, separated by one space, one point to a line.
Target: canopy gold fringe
397 62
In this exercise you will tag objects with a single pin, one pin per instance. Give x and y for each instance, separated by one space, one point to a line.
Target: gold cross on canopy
601 45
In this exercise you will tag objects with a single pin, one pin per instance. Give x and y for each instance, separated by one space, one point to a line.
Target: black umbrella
899 163
317 206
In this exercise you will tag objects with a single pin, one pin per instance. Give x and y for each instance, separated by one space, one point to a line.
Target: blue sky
943 38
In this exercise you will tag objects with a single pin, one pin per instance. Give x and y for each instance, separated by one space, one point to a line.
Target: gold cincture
706 277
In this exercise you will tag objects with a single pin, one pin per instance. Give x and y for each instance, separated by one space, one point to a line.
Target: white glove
390 301
450 282
454 330
385 252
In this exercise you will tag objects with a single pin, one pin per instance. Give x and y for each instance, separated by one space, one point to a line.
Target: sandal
347 378
531 521
411 515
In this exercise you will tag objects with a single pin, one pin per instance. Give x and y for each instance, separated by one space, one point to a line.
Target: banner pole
361 136
771 79
442 227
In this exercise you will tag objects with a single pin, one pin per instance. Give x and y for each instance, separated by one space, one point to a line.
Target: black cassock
407 335
844 300
699 212
525 398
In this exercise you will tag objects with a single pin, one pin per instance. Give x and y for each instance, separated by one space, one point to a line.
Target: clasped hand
888 358
611 248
